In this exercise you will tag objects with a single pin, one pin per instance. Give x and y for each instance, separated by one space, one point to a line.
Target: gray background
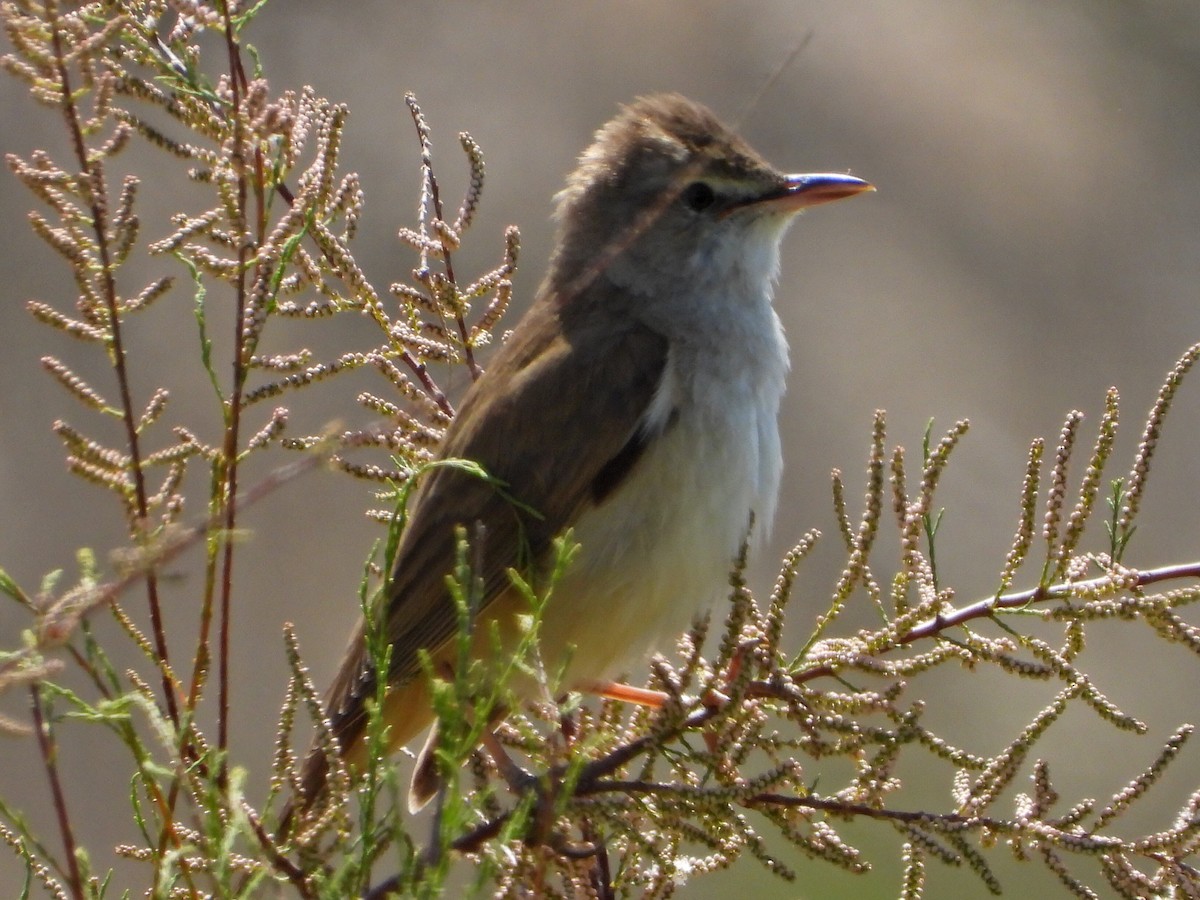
1033 241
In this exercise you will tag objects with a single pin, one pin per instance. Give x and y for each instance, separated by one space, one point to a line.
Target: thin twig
436 197
50 761
94 180
184 538
294 874
237 84
982 609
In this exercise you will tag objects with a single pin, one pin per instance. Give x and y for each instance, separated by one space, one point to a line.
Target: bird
635 403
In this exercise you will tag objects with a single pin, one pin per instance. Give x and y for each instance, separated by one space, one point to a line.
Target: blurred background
1032 242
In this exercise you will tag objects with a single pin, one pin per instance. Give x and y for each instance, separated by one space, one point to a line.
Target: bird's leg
715 699
626 693
737 661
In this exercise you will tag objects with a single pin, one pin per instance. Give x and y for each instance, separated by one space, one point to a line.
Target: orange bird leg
626 693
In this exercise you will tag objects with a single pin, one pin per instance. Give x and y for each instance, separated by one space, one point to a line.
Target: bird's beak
800 191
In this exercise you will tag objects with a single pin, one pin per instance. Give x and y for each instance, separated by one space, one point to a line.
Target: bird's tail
425 781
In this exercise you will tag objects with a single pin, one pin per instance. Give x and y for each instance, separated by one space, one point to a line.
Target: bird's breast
659 548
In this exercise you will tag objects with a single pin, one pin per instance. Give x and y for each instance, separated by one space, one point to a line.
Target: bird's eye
698 196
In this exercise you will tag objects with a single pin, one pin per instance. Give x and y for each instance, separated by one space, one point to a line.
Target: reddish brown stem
95 184
50 761
237 84
290 870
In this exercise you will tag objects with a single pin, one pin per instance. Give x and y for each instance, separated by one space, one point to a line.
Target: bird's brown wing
582 375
